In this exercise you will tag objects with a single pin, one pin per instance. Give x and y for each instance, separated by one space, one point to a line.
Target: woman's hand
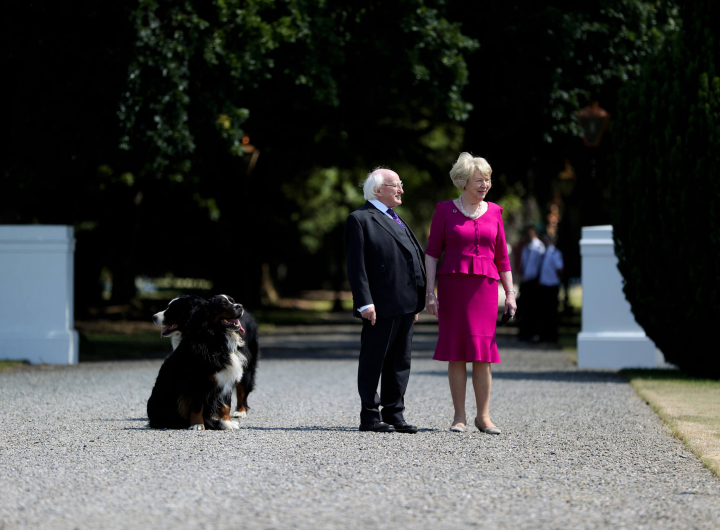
431 304
507 283
510 303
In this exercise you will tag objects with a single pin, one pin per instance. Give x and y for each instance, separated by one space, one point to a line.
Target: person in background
548 288
469 231
530 263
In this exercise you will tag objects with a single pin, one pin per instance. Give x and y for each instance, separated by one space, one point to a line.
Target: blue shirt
551 264
532 256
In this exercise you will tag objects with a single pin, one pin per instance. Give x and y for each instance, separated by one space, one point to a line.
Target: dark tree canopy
134 121
667 219
129 122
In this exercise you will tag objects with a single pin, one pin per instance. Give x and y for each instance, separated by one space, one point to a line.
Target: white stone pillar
610 337
36 294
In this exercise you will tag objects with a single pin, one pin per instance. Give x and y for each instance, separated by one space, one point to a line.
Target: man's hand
417 315
369 313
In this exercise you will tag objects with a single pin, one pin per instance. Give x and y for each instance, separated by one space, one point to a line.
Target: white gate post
36 294
610 337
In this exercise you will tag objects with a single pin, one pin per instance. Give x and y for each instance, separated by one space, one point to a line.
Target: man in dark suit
386 270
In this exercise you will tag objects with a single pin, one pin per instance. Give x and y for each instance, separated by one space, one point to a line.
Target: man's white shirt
380 206
384 209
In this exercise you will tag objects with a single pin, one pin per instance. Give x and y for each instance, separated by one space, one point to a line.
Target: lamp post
249 148
585 204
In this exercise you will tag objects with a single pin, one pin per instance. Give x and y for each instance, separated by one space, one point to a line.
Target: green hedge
666 193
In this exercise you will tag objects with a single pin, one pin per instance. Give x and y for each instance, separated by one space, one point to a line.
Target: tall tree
538 63
666 216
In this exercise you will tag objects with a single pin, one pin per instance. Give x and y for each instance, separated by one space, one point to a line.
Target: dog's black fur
195 383
173 321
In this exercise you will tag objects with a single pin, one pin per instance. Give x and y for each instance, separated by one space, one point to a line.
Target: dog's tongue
242 329
167 328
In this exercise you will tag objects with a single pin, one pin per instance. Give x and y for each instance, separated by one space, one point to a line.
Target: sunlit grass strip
6 365
690 407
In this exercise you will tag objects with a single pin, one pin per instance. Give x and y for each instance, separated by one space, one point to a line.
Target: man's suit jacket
380 264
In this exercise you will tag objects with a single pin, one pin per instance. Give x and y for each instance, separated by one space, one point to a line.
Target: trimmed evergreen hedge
666 193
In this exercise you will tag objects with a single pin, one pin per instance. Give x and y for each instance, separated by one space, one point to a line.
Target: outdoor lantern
593 120
249 148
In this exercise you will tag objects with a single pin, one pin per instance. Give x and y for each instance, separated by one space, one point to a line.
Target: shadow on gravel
125 419
310 428
559 376
321 428
307 428
277 354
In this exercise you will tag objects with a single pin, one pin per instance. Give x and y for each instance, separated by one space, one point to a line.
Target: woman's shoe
458 427
487 430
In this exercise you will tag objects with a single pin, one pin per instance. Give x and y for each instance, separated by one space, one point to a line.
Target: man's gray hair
373 181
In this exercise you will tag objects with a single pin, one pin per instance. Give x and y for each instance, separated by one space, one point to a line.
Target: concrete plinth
36 294
610 337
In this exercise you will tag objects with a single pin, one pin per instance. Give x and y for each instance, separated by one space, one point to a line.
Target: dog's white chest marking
234 341
227 378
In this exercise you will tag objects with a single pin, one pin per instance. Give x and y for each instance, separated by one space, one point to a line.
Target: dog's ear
198 315
216 305
195 308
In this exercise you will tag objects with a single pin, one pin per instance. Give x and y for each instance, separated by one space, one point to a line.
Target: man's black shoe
403 426
378 426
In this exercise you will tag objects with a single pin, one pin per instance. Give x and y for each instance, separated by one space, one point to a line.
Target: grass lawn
100 347
6 365
289 317
689 406
109 340
104 340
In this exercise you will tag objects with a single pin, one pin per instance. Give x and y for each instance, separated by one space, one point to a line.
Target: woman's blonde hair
465 167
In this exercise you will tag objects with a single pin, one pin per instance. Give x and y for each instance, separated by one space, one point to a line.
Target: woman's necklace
474 215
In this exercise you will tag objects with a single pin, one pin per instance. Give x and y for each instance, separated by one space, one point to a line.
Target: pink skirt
467 318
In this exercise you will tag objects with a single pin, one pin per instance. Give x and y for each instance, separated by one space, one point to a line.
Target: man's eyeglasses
398 185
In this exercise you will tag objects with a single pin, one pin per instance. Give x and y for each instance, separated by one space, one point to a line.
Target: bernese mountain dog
195 383
173 321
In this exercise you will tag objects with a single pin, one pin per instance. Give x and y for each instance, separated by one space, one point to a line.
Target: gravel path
579 450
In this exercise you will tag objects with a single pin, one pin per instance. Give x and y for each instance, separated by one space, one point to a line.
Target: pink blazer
471 246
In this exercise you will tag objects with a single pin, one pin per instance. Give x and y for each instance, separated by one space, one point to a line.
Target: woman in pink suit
470 232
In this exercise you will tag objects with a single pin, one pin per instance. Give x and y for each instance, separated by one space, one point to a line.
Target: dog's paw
198 427
228 425
238 414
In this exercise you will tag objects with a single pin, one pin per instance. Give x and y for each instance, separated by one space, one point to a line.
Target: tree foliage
666 216
600 46
199 63
130 120
539 62
147 104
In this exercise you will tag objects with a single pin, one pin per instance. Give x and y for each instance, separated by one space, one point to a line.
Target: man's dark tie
395 216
